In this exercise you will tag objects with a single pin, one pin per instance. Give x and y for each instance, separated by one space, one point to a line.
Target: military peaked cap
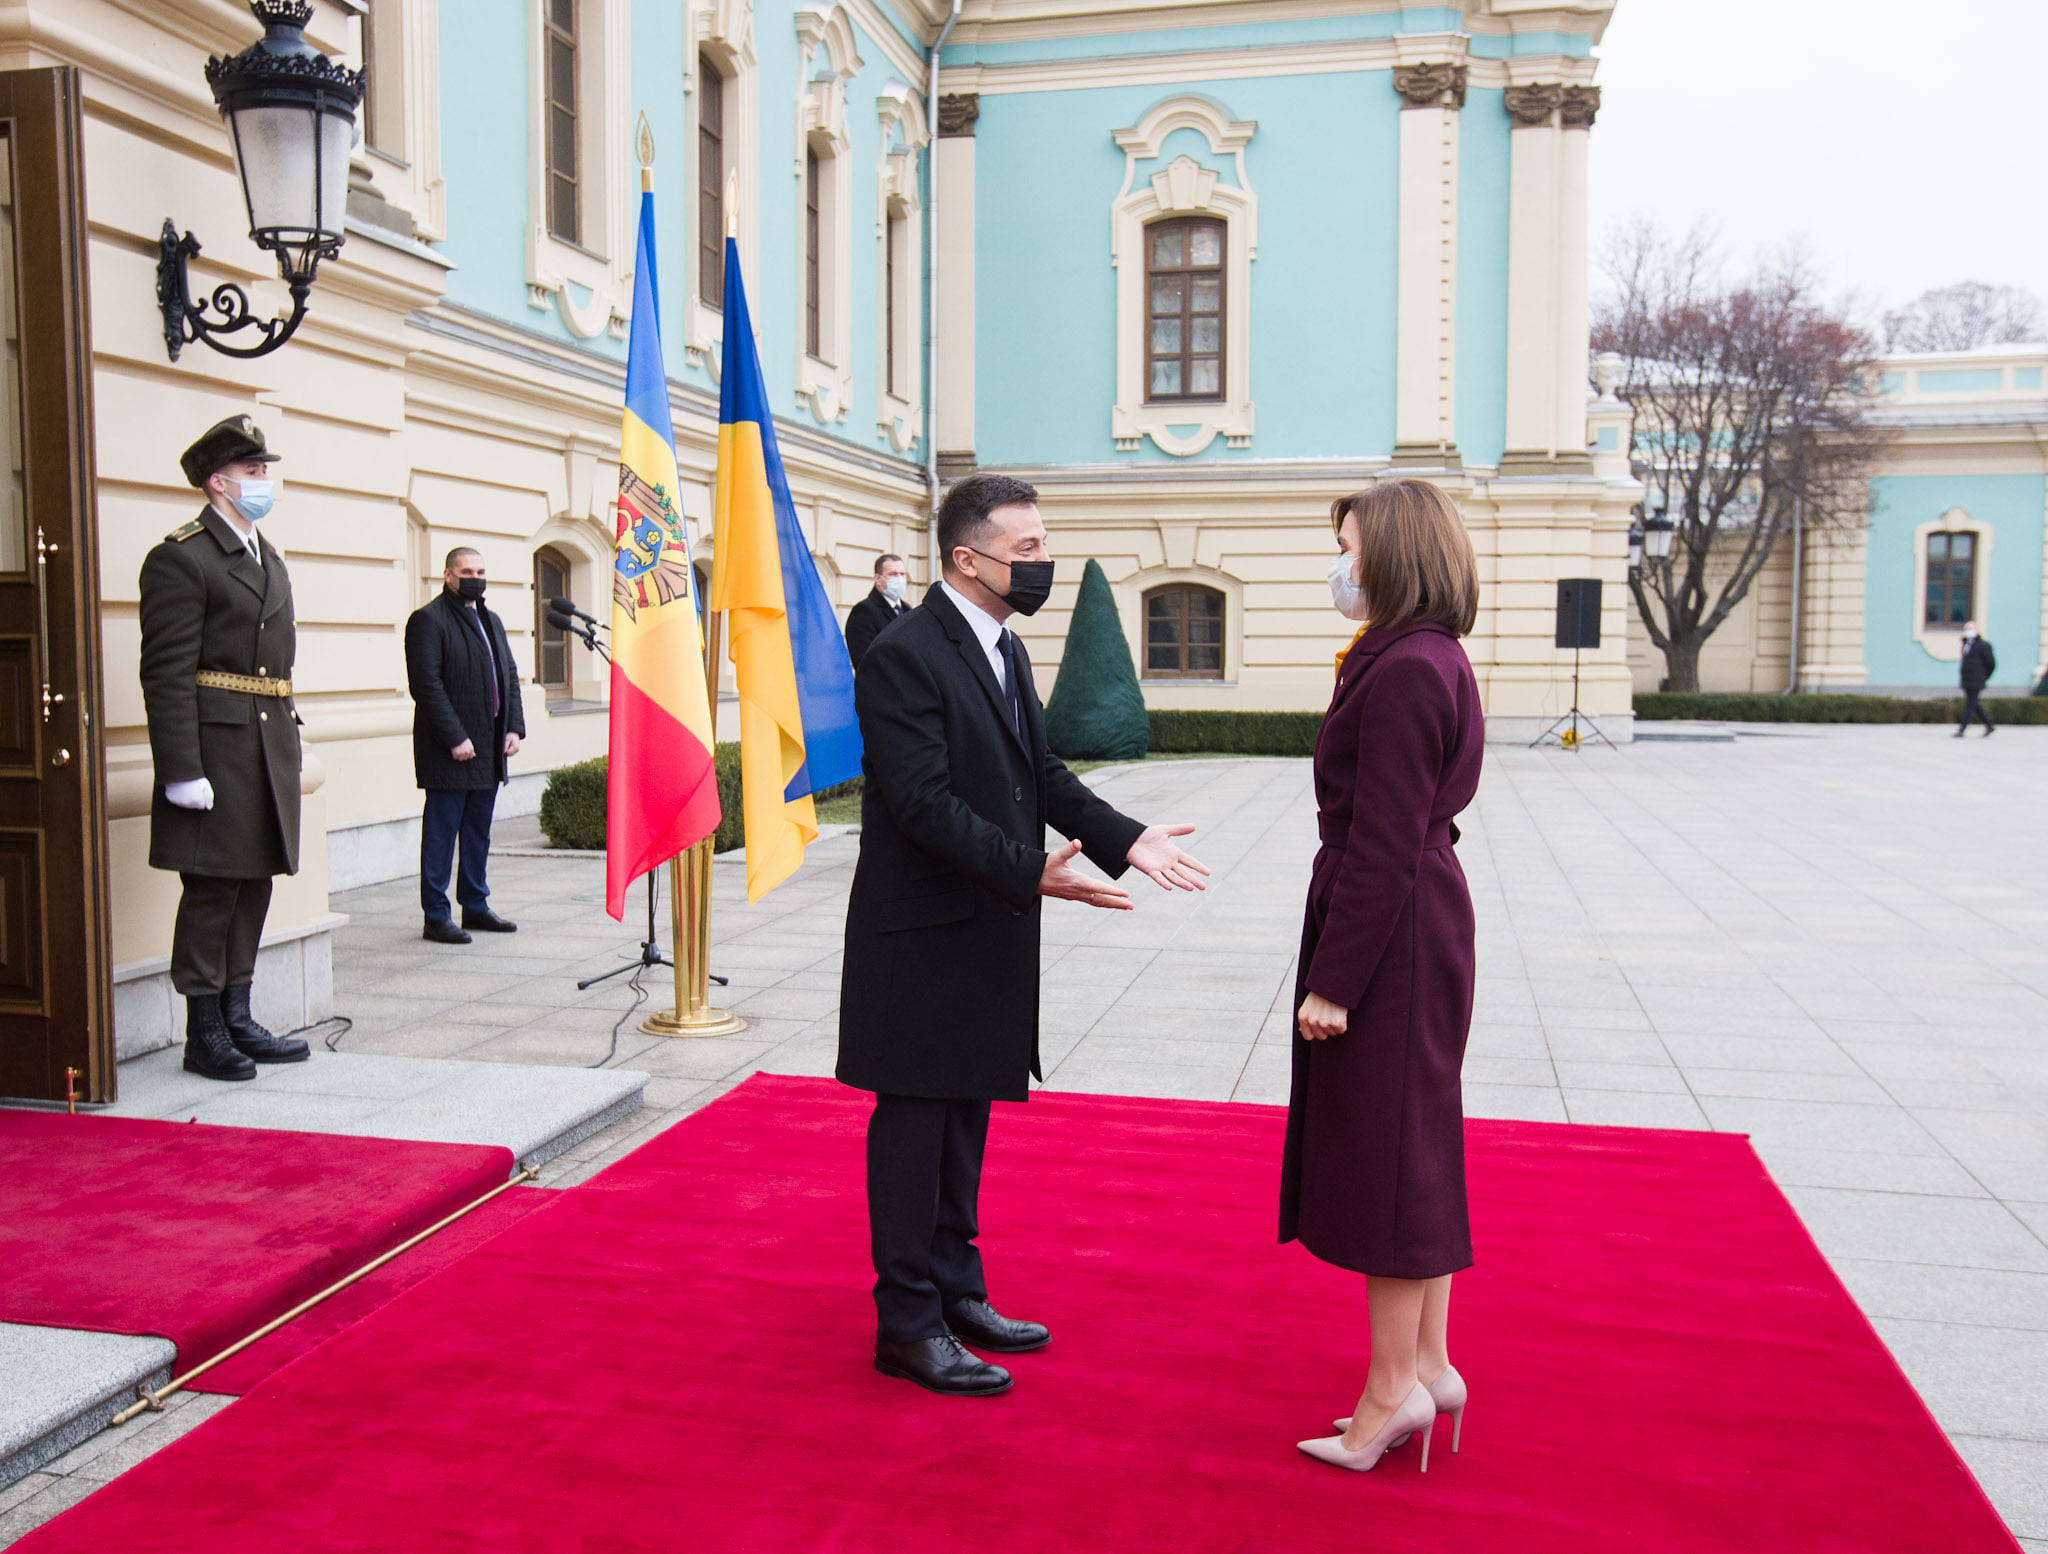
222 444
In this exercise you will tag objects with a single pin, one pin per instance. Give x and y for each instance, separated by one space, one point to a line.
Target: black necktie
1012 685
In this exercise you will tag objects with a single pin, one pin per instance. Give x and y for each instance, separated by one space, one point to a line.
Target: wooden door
56 987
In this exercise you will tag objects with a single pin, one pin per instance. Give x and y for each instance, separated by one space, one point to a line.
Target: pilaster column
1425 423
953 285
1535 281
1576 111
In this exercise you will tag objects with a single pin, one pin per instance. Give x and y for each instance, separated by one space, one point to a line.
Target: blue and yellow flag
798 733
662 791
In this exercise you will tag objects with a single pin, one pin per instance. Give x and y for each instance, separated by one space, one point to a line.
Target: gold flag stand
689 873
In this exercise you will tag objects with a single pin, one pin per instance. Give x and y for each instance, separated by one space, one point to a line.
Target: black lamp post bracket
186 320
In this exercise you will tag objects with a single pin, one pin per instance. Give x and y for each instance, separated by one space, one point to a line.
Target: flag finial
732 204
643 147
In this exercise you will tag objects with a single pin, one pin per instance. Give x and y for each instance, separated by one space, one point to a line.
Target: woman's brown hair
1415 559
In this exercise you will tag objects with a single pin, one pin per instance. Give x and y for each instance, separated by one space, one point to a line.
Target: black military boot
208 1051
251 1039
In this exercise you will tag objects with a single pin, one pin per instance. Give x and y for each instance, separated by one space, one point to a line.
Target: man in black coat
218 643
883 606
938 1010
1978 666
466 726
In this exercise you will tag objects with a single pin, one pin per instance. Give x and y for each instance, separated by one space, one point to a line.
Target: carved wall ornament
1533 105
1431 86
957 113
1580 105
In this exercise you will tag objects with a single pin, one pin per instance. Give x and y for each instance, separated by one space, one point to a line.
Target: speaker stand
1568 737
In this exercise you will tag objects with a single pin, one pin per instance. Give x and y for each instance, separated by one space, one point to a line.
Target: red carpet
202 1234
674 1356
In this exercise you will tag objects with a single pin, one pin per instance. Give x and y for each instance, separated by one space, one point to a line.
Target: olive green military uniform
210 610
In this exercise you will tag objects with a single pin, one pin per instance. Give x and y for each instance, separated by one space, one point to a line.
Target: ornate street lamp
1657 532
291 113
1635 545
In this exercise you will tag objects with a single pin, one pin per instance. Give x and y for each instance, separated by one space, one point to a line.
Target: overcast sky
1905 141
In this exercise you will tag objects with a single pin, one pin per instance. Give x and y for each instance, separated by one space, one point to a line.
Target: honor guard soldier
217 648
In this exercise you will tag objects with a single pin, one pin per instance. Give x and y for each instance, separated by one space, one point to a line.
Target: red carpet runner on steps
674 1357
202 1234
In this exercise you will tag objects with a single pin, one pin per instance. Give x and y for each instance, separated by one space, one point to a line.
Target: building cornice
1299 59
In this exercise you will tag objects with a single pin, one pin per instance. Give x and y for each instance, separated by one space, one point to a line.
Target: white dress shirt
988 631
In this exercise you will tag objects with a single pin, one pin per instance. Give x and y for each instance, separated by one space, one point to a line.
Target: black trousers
924 1180
219 925
452 813
1973 708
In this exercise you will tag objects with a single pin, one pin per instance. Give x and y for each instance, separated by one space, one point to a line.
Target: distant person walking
466 726
1978 666
883 606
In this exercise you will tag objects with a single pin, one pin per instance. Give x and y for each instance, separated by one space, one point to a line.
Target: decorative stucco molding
1579 107
600 265
824 383
957 113
1183 188
904 135
1532 106
1438 85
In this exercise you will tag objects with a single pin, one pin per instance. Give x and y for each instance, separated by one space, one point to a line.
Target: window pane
1159 606
1166 337
1205 660
562 221
1208 294
1203 377
562 151
1208 335
561 72
1206 246
1962 546
1166 245
1166 377
563 13
1167 290
1937 546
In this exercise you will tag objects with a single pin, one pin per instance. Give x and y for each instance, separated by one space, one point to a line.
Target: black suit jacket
1979 665
864 623
449 675
939 994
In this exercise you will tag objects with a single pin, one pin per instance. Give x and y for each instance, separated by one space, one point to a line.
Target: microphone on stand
568 607
583 634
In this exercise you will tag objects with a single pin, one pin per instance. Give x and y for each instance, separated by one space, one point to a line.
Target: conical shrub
1097 712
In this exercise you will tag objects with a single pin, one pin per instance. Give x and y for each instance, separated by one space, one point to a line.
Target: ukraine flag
662 792
798 733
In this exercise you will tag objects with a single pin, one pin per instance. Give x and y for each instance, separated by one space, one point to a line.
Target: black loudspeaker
1578 612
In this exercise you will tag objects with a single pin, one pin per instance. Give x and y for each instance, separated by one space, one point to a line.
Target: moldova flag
798 733
662 792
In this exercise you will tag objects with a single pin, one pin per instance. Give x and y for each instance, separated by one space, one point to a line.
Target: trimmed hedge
1730 707
572 806
1185 732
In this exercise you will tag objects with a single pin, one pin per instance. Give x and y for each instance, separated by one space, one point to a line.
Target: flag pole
689 872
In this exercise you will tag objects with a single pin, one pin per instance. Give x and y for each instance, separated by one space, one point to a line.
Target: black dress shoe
487 921
977 1322
941 1365
442 931
252 1040
208 1051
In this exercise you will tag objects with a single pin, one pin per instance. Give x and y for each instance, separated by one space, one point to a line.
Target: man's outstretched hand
1155 856
1062 880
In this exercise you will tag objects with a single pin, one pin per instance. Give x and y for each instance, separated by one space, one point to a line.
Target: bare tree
1964 316
1752 403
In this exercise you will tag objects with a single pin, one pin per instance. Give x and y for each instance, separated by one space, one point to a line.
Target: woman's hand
1318 1019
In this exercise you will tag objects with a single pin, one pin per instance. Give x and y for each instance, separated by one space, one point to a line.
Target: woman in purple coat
1374 1173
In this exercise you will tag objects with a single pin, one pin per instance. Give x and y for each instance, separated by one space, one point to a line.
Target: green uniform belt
221 680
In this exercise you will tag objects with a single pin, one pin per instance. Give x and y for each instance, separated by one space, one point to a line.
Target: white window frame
724 30
601 262
1183 188
1945 643
900 416
824 383
408 74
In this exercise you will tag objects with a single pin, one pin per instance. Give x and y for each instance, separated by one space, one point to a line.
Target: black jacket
864 623
449 674
939 995
1979 664
206 604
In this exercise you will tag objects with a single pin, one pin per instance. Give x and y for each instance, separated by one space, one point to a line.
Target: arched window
1183 633
1184 313
1951 577
710 182
551 643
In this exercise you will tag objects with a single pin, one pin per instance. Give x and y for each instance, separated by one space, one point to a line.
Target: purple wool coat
1373 1178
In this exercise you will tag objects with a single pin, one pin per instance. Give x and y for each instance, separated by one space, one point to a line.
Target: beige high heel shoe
1448 1393
1416 1413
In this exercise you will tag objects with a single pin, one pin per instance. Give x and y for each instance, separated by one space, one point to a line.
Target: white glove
196 794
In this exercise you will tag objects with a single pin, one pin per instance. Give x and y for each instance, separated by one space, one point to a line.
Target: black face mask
1030 583
470 589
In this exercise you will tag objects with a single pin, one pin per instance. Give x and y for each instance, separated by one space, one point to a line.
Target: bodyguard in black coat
466 726
938 1011
1978 665
881 606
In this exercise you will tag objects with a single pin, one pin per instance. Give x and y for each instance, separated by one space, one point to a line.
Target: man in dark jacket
1978 666
467 722
883 606
938 1009
217 649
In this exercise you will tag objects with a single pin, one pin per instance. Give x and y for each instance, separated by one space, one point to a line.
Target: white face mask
1345 594
892 588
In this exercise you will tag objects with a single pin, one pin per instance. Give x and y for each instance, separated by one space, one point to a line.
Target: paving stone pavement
1833 939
